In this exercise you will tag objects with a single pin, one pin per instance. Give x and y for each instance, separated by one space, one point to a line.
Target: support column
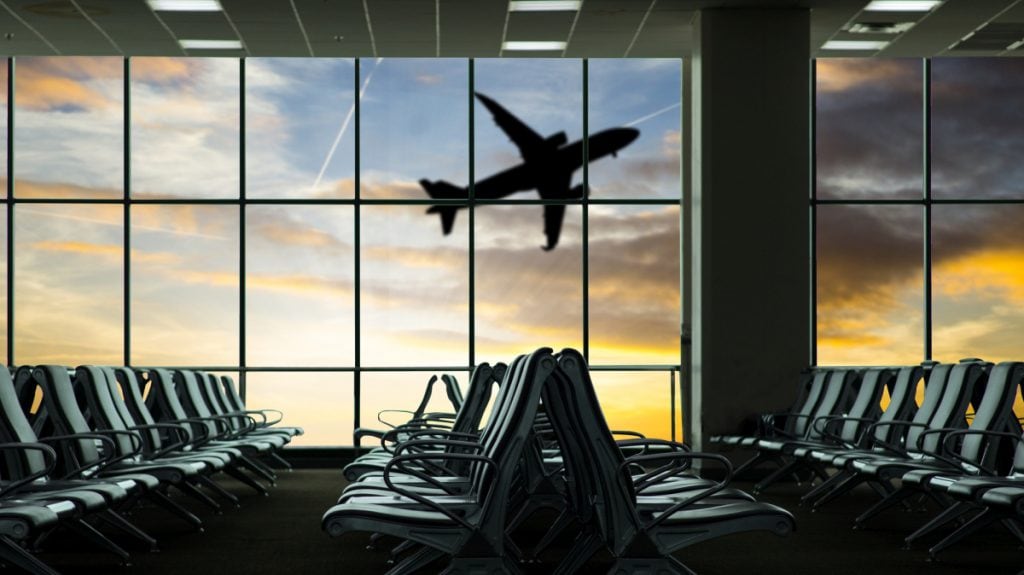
749 214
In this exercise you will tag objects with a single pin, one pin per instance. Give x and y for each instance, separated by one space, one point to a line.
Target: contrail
344 127
653 114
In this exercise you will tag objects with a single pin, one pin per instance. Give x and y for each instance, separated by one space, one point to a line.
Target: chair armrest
49 462
901 451
400 461
703 493
938 452
652 476
79 467
826 424
184 437
380 416
413 446
948 447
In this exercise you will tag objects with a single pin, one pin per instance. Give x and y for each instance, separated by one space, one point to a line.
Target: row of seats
81 448
962 448
457 491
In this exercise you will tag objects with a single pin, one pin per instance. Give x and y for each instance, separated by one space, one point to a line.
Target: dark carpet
281 534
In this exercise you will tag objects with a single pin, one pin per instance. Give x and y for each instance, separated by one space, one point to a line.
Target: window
331 232
897 219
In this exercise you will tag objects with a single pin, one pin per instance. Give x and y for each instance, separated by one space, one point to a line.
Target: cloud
429 79
846 74
47 87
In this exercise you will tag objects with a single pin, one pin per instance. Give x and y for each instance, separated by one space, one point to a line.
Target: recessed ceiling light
211 44
185 5
880 27
533 45
855 45
901 5
544 5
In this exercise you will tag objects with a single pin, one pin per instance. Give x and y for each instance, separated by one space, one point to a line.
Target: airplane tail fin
443 190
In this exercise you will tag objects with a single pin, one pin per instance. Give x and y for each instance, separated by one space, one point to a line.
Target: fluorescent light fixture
544 5
185 5
211 44
533 46
901 5
855 45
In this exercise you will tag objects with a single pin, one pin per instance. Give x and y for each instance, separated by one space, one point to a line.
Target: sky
870 271
300 268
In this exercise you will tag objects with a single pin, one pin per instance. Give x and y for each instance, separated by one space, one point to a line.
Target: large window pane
414 124
299 277
185 127
644 95
526 297
631 321
414 288
68 287
870 285
320 403
977 128
3 289
69 133
547 97
184 285
636 401
300 121
869 128
978 282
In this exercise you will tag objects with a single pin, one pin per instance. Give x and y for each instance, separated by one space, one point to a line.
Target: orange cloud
44 87
839 74
59 191
298 284
161 69
996 273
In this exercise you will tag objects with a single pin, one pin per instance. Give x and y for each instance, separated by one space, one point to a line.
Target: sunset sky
870 270
300 259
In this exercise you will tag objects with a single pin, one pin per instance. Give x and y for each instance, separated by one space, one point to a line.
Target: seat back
453 391
16 428
186 383
834 399
951 410
91 382
798 425
64 411
994 412
467 420
127 381
934 390
902 405
232 392
866 404
163 399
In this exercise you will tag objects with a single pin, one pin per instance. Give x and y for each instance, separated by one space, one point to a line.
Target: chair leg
111 518
564 521
583 548
823 487
785 469
1013 526
938 521
16 555
416 561
240 475
281 461
977 523
216 488
194 492
890 500
90 533
164 501
844 487
258 468
751 463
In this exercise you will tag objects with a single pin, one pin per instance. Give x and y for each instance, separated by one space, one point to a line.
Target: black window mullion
471 194
813 217
586 211
10 211
126 198
242 383
926 168
356 379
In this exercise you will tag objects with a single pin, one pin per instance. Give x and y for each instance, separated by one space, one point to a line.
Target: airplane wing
553 216
528 141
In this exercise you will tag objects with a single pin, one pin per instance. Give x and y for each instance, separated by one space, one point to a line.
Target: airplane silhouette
548 165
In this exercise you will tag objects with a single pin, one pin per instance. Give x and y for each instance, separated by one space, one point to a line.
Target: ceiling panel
539 26
605 28
134 28
335 28
404 27
65 27
667 33
19 39
944 26
471 28
269 27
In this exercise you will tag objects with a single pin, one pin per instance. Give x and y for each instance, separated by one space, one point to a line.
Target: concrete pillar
749 215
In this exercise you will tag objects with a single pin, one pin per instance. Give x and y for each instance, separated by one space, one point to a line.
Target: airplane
548 165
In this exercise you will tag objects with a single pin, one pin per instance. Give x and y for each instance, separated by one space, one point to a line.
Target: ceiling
477 28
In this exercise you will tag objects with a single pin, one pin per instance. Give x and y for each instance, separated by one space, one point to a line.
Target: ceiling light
902 5
544 5
855 45
211 44
880 27
185 5
533 46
